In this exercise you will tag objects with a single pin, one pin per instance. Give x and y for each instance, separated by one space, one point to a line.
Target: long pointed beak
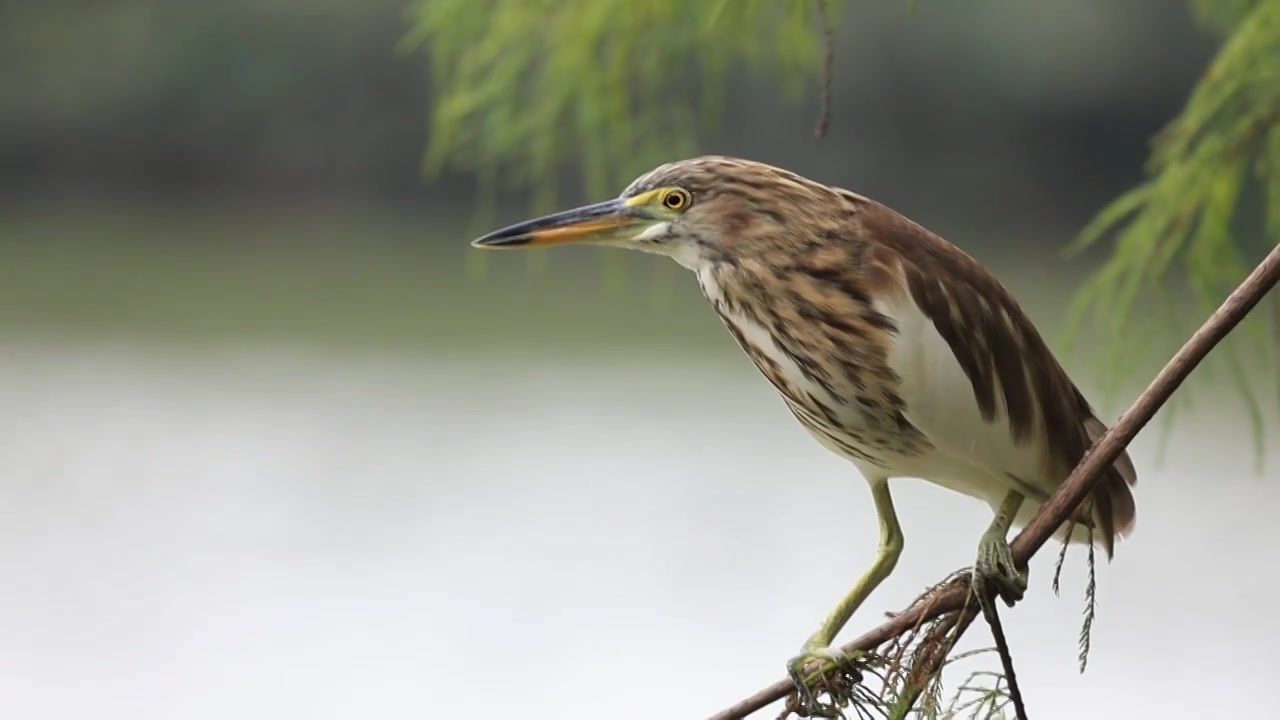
609 220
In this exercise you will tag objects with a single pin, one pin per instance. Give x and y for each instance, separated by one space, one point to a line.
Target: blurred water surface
264 530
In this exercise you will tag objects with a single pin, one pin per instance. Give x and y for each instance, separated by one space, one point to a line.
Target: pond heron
892 347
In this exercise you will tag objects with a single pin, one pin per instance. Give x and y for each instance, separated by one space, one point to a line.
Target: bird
892 347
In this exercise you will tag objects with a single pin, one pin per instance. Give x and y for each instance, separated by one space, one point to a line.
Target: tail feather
1108 513
1114 512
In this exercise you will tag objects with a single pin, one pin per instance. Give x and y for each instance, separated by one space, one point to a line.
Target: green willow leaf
1186 219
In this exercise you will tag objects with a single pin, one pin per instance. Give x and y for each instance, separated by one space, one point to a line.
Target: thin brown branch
1006 658
828 65
1058 510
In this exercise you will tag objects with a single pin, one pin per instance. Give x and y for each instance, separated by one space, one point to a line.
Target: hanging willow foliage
1192 210
512 102
513 98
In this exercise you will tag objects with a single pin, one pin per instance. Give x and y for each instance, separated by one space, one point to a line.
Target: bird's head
692 210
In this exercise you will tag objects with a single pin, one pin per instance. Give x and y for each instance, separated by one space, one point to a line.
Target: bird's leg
818 647
995 559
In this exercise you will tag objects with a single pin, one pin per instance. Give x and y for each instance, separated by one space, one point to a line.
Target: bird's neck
721 282
693 256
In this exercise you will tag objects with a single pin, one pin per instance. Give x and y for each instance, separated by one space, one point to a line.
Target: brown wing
1015 369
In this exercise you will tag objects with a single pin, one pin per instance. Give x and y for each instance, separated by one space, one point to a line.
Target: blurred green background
277 443
153 150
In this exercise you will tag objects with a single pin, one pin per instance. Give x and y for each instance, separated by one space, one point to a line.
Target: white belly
964 452
970 454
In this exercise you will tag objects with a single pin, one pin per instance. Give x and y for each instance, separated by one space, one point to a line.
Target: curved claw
832 659
995 565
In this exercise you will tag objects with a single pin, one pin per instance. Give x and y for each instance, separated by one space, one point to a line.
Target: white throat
687 254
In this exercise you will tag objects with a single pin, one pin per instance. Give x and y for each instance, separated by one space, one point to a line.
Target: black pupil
674 200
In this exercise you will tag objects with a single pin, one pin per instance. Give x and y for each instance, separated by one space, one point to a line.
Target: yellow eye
676 199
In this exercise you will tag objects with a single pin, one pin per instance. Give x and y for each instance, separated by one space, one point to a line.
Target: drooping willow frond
1194 210
519 86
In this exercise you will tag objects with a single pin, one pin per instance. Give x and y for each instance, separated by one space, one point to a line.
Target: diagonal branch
950 597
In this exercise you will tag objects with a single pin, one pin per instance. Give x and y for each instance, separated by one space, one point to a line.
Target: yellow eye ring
676 199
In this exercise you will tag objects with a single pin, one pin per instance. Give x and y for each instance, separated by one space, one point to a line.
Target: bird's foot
834 679
995 565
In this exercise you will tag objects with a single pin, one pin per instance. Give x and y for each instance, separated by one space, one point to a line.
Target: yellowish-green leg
995 559
818 647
